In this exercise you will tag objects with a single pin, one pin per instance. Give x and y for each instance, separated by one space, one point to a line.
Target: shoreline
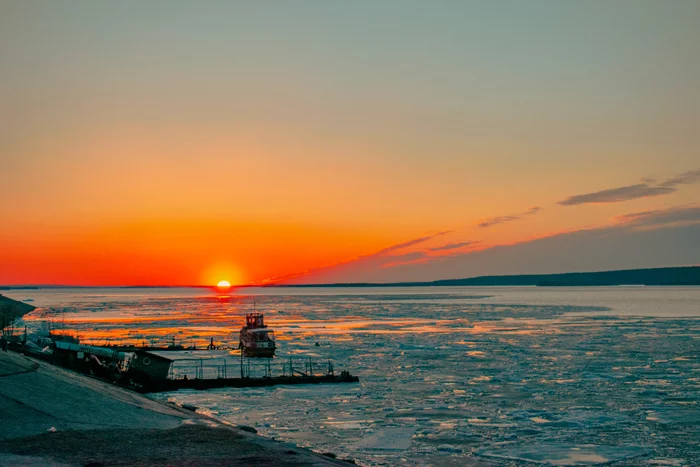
53 416
667 276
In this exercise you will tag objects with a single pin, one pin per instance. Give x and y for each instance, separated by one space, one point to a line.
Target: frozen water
566 454
396 438
458 376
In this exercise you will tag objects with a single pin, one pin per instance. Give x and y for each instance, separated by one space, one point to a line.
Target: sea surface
448 376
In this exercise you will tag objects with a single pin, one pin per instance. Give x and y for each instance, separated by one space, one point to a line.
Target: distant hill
656 276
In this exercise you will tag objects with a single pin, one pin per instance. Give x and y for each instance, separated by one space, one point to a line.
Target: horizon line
320 284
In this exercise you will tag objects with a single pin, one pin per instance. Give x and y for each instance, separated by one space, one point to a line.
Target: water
509 376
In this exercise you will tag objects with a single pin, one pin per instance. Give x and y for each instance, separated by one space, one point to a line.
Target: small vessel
256 340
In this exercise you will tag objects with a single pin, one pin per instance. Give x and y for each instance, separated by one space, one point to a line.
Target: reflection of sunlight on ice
482 378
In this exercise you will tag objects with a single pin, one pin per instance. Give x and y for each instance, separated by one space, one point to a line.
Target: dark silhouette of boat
256 340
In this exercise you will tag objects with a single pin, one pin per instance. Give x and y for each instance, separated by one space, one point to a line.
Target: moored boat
256 339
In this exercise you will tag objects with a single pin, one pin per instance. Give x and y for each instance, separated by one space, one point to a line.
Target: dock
146 371
216 372
255 382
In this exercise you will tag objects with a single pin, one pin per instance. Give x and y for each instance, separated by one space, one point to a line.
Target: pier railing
223 368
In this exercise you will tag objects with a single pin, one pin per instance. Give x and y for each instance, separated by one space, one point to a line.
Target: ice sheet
566 454
463 379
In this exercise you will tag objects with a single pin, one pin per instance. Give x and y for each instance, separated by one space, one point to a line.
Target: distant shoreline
660 277
671 276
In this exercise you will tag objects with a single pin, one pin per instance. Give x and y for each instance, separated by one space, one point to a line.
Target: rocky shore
53 417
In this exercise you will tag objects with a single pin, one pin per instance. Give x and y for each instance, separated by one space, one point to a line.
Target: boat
256 340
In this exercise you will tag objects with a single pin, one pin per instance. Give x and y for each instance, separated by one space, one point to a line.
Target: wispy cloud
452 246
686 178
491 221
400 246
615 195
437 253
408 258
279 279
645 189
661 217
382 258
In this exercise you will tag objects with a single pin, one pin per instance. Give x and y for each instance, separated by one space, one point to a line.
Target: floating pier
211 373
147 371
202 384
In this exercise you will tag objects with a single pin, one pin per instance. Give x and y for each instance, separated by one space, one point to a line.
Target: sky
183 143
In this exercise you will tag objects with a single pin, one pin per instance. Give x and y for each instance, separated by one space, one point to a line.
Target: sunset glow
317 157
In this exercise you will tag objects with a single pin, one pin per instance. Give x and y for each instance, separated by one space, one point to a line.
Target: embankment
11 310
51 416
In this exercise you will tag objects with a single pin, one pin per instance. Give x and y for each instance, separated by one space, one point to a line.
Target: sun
222 276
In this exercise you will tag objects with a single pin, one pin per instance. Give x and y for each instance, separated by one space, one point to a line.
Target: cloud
279 279
491 221
408 258
661 217
406 244
686 178
615 195
452 246
437 253
377 260
640 190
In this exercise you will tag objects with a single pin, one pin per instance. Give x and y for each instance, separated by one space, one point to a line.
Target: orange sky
247 143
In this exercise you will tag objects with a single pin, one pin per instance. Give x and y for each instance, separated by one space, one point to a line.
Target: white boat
256 339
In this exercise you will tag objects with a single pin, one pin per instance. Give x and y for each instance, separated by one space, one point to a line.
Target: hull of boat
258 353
